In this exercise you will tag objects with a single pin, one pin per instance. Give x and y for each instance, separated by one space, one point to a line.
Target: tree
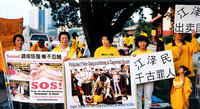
97 15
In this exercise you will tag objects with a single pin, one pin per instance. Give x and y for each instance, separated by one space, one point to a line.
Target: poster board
187 17
35 77
89 80
153 67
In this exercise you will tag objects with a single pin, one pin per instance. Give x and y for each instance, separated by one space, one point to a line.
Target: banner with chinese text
187 17
99 83
35 77
153 67
9 28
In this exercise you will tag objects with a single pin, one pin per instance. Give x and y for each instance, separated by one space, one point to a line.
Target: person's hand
105 97
66 58
193 32
134 55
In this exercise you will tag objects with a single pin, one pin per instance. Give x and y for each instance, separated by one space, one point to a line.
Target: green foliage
168 39
64 12
146 27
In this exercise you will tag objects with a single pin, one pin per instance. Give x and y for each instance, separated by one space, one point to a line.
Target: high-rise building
33 19
41 20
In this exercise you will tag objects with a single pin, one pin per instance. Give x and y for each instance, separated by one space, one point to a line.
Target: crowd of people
103 79
111 85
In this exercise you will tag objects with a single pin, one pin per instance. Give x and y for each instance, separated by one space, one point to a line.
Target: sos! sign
46 85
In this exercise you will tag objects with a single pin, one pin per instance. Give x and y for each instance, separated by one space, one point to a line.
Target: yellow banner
9 28
2 63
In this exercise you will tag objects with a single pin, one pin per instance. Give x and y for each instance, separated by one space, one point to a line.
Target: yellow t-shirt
126 40
138 52
105 52
73 43
36 47
130 40
186 56
177 94
70 54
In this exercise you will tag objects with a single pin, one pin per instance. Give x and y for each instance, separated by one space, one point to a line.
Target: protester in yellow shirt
39 46
182 52
70 52
126 40
131 39
181 89
106 50
142 43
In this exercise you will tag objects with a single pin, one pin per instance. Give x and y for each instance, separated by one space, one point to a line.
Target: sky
13 9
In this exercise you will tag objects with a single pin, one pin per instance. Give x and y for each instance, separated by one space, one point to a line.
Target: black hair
122 66
41 40
15 37
121 52
141 38
63 33
122 34
185 69
103 78
109 38
160 36
74 34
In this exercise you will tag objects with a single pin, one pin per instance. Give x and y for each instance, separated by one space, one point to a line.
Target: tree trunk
96 18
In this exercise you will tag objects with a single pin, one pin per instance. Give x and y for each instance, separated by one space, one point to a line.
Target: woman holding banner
142 43
65 47
18 41
69 51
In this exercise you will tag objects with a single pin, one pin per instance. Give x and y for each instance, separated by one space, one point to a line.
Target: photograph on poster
19 71
46 70
20 90
100 84
35 78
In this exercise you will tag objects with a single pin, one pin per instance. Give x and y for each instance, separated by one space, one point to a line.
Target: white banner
153 67
187 17
99 83
35 77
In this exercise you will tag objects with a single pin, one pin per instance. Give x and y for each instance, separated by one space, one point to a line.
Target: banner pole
7 85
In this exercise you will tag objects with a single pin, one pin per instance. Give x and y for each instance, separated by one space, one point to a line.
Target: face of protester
64 40
142 44
180 70
105 41
178 36
19 42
